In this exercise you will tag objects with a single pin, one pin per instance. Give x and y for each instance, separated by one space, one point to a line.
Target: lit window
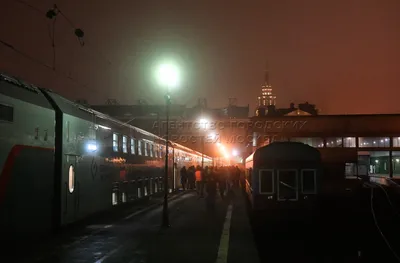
114 199
71 179
373 142
146 149
115 142
396 142
151 150
349 142
161 151
334 142
139 147
132 146
124 144
156 151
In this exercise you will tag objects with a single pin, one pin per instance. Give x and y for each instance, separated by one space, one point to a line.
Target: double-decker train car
283 177
60 161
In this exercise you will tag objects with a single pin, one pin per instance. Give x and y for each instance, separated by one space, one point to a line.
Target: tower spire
267 98
266 74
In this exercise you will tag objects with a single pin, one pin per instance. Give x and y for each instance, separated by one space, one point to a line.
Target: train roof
20 83
107 117
288 151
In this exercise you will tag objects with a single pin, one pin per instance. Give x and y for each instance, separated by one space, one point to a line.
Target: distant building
267 97
303 109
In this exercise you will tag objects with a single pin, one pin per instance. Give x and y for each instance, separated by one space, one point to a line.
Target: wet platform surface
197 234
342 230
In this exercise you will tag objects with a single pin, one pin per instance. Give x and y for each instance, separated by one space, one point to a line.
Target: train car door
71 189
288 189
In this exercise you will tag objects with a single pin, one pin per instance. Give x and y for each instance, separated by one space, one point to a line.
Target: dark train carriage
283 175
61 162
26 159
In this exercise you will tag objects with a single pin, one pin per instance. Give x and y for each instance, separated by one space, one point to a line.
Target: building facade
356 145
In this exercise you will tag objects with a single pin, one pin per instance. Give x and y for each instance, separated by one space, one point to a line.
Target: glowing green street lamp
168 77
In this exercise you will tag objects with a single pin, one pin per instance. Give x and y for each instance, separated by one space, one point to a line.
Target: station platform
197 234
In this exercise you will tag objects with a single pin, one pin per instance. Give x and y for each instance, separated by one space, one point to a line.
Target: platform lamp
168 77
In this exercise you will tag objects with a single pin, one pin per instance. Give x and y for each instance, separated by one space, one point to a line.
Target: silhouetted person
199 181
184 178
211 187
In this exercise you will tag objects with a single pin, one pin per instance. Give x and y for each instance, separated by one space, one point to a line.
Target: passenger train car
283 176
60 161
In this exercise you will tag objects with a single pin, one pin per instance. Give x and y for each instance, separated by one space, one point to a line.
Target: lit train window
124 144
308 181
151 150
139 147
146 149
114 199
71 178
266 182
133 146
6 113
115 142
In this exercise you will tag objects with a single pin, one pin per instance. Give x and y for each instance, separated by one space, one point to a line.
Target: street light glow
203 123
235 153
168 75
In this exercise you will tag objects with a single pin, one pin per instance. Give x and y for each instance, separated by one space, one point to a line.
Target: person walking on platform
237 177
219 174
211 187
191 177
183 178
199 181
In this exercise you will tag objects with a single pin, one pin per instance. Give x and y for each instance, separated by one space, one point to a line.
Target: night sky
342 55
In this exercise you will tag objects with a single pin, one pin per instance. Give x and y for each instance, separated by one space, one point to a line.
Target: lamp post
168 77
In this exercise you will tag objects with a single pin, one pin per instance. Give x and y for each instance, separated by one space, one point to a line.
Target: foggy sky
341 55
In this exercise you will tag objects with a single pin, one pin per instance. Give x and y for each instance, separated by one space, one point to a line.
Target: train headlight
91 146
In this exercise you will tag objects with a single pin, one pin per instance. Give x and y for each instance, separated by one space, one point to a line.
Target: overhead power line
37 61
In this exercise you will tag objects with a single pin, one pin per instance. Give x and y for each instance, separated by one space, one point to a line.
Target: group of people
210 180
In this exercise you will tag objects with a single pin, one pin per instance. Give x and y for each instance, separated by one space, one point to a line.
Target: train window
133 146
71 178
161 151
266 182
156 152
151 150
124 144
139 147
6 113
146 149
309 181
115 142
114 198
287 184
